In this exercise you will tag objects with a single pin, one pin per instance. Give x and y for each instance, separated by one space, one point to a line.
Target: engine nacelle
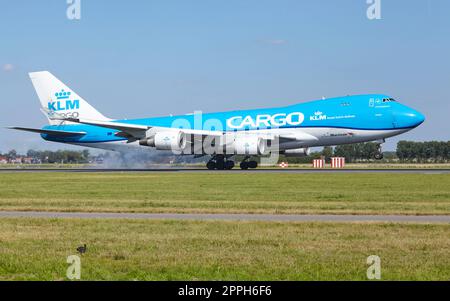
249 145
297 152
169 140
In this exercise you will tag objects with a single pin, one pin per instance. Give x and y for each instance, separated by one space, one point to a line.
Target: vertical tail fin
55 96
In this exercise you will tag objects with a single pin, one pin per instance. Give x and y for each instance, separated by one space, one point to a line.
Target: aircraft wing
131 131
135 131
49 132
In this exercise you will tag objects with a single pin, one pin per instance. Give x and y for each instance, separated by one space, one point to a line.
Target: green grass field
367 193
36 249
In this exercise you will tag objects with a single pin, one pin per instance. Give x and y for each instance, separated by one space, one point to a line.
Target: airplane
290 130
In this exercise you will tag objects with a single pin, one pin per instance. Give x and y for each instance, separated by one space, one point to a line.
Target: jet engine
249 145
297 152
169 140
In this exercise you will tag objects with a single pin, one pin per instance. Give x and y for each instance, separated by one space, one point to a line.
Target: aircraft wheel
210 165
229 165
244 165
378 156
252 164
220 164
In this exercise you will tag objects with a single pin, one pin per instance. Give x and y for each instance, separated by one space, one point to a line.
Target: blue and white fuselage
332 121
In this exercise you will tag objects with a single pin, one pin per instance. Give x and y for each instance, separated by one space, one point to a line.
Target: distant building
15 160
27 160
36 161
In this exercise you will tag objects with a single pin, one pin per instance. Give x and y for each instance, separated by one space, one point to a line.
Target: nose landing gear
379 153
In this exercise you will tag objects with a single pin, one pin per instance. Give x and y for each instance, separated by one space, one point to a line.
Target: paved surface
235 217
259 170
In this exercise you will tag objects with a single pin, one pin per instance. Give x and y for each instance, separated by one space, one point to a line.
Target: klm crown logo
63 102
62 95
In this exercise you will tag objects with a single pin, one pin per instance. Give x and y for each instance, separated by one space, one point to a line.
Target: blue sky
151 58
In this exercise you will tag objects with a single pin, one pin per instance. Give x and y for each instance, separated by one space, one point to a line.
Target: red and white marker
318 163
337 162
283 164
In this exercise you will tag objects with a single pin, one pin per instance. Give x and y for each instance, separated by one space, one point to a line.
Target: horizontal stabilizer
133 130
49 132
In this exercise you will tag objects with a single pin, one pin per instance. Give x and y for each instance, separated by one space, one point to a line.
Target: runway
232 217
258 170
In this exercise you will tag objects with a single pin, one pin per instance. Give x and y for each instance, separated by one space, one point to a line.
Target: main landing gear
245 164
220 162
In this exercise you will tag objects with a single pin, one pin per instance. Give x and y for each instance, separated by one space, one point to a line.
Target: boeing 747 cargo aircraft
289 130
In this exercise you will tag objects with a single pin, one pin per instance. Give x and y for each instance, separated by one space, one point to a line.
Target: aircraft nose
419 118
408 117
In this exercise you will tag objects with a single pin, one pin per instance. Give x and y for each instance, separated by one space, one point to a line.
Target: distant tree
85 154
65 156
12 154
32 153
429 151
327 152
357 151
300 160
348 151
390 156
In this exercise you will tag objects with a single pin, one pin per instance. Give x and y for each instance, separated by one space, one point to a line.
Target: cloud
277 42
8 67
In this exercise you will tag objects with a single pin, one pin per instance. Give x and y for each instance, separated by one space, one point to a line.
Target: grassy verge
36 249
366 193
